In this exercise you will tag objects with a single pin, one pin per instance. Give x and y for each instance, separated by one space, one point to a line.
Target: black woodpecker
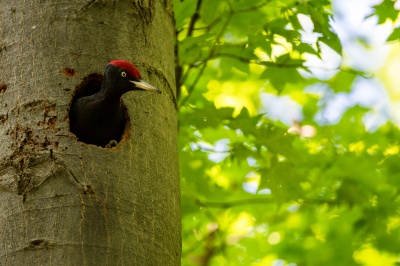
99 118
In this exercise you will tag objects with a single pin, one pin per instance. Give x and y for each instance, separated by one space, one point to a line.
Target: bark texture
63 202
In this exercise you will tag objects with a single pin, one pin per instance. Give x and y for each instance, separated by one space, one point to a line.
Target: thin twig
258 62
250 9
194 18
235 203
179 68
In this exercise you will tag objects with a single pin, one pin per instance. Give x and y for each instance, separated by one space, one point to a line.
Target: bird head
124 76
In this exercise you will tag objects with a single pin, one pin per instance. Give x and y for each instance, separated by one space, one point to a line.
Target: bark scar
37 244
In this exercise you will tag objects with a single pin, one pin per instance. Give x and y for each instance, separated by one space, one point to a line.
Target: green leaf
342 81
280 76
385 11
244 122
183 11
395 35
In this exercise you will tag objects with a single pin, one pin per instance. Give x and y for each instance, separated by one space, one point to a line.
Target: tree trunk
64 202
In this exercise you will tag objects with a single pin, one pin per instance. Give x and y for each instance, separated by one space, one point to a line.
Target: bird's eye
123 74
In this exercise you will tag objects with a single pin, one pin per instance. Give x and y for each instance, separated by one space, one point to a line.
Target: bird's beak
144 86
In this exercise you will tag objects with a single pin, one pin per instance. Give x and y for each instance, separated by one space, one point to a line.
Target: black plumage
99 118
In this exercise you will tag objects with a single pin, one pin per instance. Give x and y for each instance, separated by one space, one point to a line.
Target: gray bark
63 202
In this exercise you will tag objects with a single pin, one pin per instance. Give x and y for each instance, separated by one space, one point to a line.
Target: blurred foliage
256 191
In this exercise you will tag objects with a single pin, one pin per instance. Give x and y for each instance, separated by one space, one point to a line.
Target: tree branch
258 62
235 203
194 18
250 9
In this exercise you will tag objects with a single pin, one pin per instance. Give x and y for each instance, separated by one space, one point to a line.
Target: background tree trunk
63 202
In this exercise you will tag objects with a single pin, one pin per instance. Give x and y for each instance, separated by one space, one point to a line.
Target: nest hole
89 85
